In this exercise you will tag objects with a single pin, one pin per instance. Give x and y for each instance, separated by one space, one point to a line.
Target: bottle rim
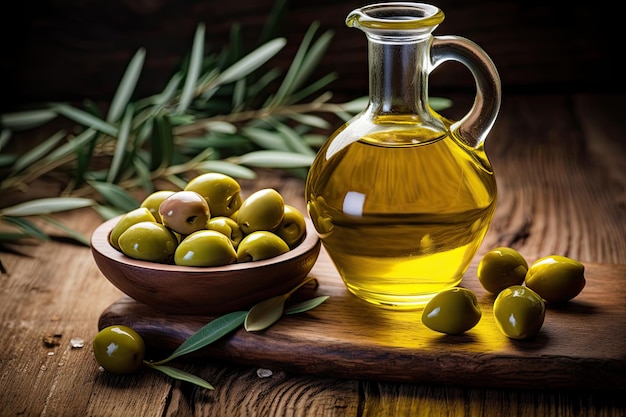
396 16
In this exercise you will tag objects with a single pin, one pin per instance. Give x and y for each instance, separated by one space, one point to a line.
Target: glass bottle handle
476 124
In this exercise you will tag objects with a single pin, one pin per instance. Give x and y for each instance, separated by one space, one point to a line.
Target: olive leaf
208 334
251 62
107 212
46 206
26 119
126 87
265 139
122 143
193 72
41 208
27 227
70 147
292 138
80 238
12 236
228 168
310 120
306 305
86 119
115 195
5 135
262 315
38 152
180 375
266 159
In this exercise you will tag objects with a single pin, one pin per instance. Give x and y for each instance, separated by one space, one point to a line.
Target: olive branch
224 112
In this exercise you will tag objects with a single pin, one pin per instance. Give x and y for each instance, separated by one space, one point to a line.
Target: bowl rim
100 244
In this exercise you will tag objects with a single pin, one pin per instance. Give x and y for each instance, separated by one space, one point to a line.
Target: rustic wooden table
560 161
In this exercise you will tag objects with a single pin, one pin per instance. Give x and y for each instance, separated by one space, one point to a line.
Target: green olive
119 349
292 228
519 312
228 227
262 210
185 212
138 215
260 245
149 241
501 268
556 279
452 311
222 193
154 200
205 248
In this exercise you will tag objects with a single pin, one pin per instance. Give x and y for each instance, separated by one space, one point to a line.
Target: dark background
70 50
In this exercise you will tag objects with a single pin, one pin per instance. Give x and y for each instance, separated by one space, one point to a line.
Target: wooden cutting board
581 345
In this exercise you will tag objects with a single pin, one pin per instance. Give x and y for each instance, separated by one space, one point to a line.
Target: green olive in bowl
519 312
227 227
138 215
203 290
292 227
453 311
557 279
222 193
501 268
154 200
262 210
149 241
185 212
260 245
205 248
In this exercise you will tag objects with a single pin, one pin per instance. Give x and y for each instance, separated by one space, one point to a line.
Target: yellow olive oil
401 211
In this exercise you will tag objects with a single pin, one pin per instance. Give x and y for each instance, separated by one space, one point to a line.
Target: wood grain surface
348 338
559 163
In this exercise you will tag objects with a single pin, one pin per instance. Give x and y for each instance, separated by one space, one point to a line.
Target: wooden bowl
196 290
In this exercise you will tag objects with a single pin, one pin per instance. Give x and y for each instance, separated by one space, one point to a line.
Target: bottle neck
398 77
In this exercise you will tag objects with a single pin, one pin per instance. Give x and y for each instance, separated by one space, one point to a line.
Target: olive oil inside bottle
401 212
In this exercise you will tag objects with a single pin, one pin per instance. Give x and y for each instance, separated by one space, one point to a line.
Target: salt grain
264 373
77 342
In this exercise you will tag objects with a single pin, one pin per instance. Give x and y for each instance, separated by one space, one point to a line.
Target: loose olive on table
500 268
119 349
452 311
557 279
519 308
519 312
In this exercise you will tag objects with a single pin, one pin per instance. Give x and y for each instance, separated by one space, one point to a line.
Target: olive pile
208 223
522 292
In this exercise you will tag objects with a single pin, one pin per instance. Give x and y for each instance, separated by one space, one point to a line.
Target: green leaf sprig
226 111
259 317
198 123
